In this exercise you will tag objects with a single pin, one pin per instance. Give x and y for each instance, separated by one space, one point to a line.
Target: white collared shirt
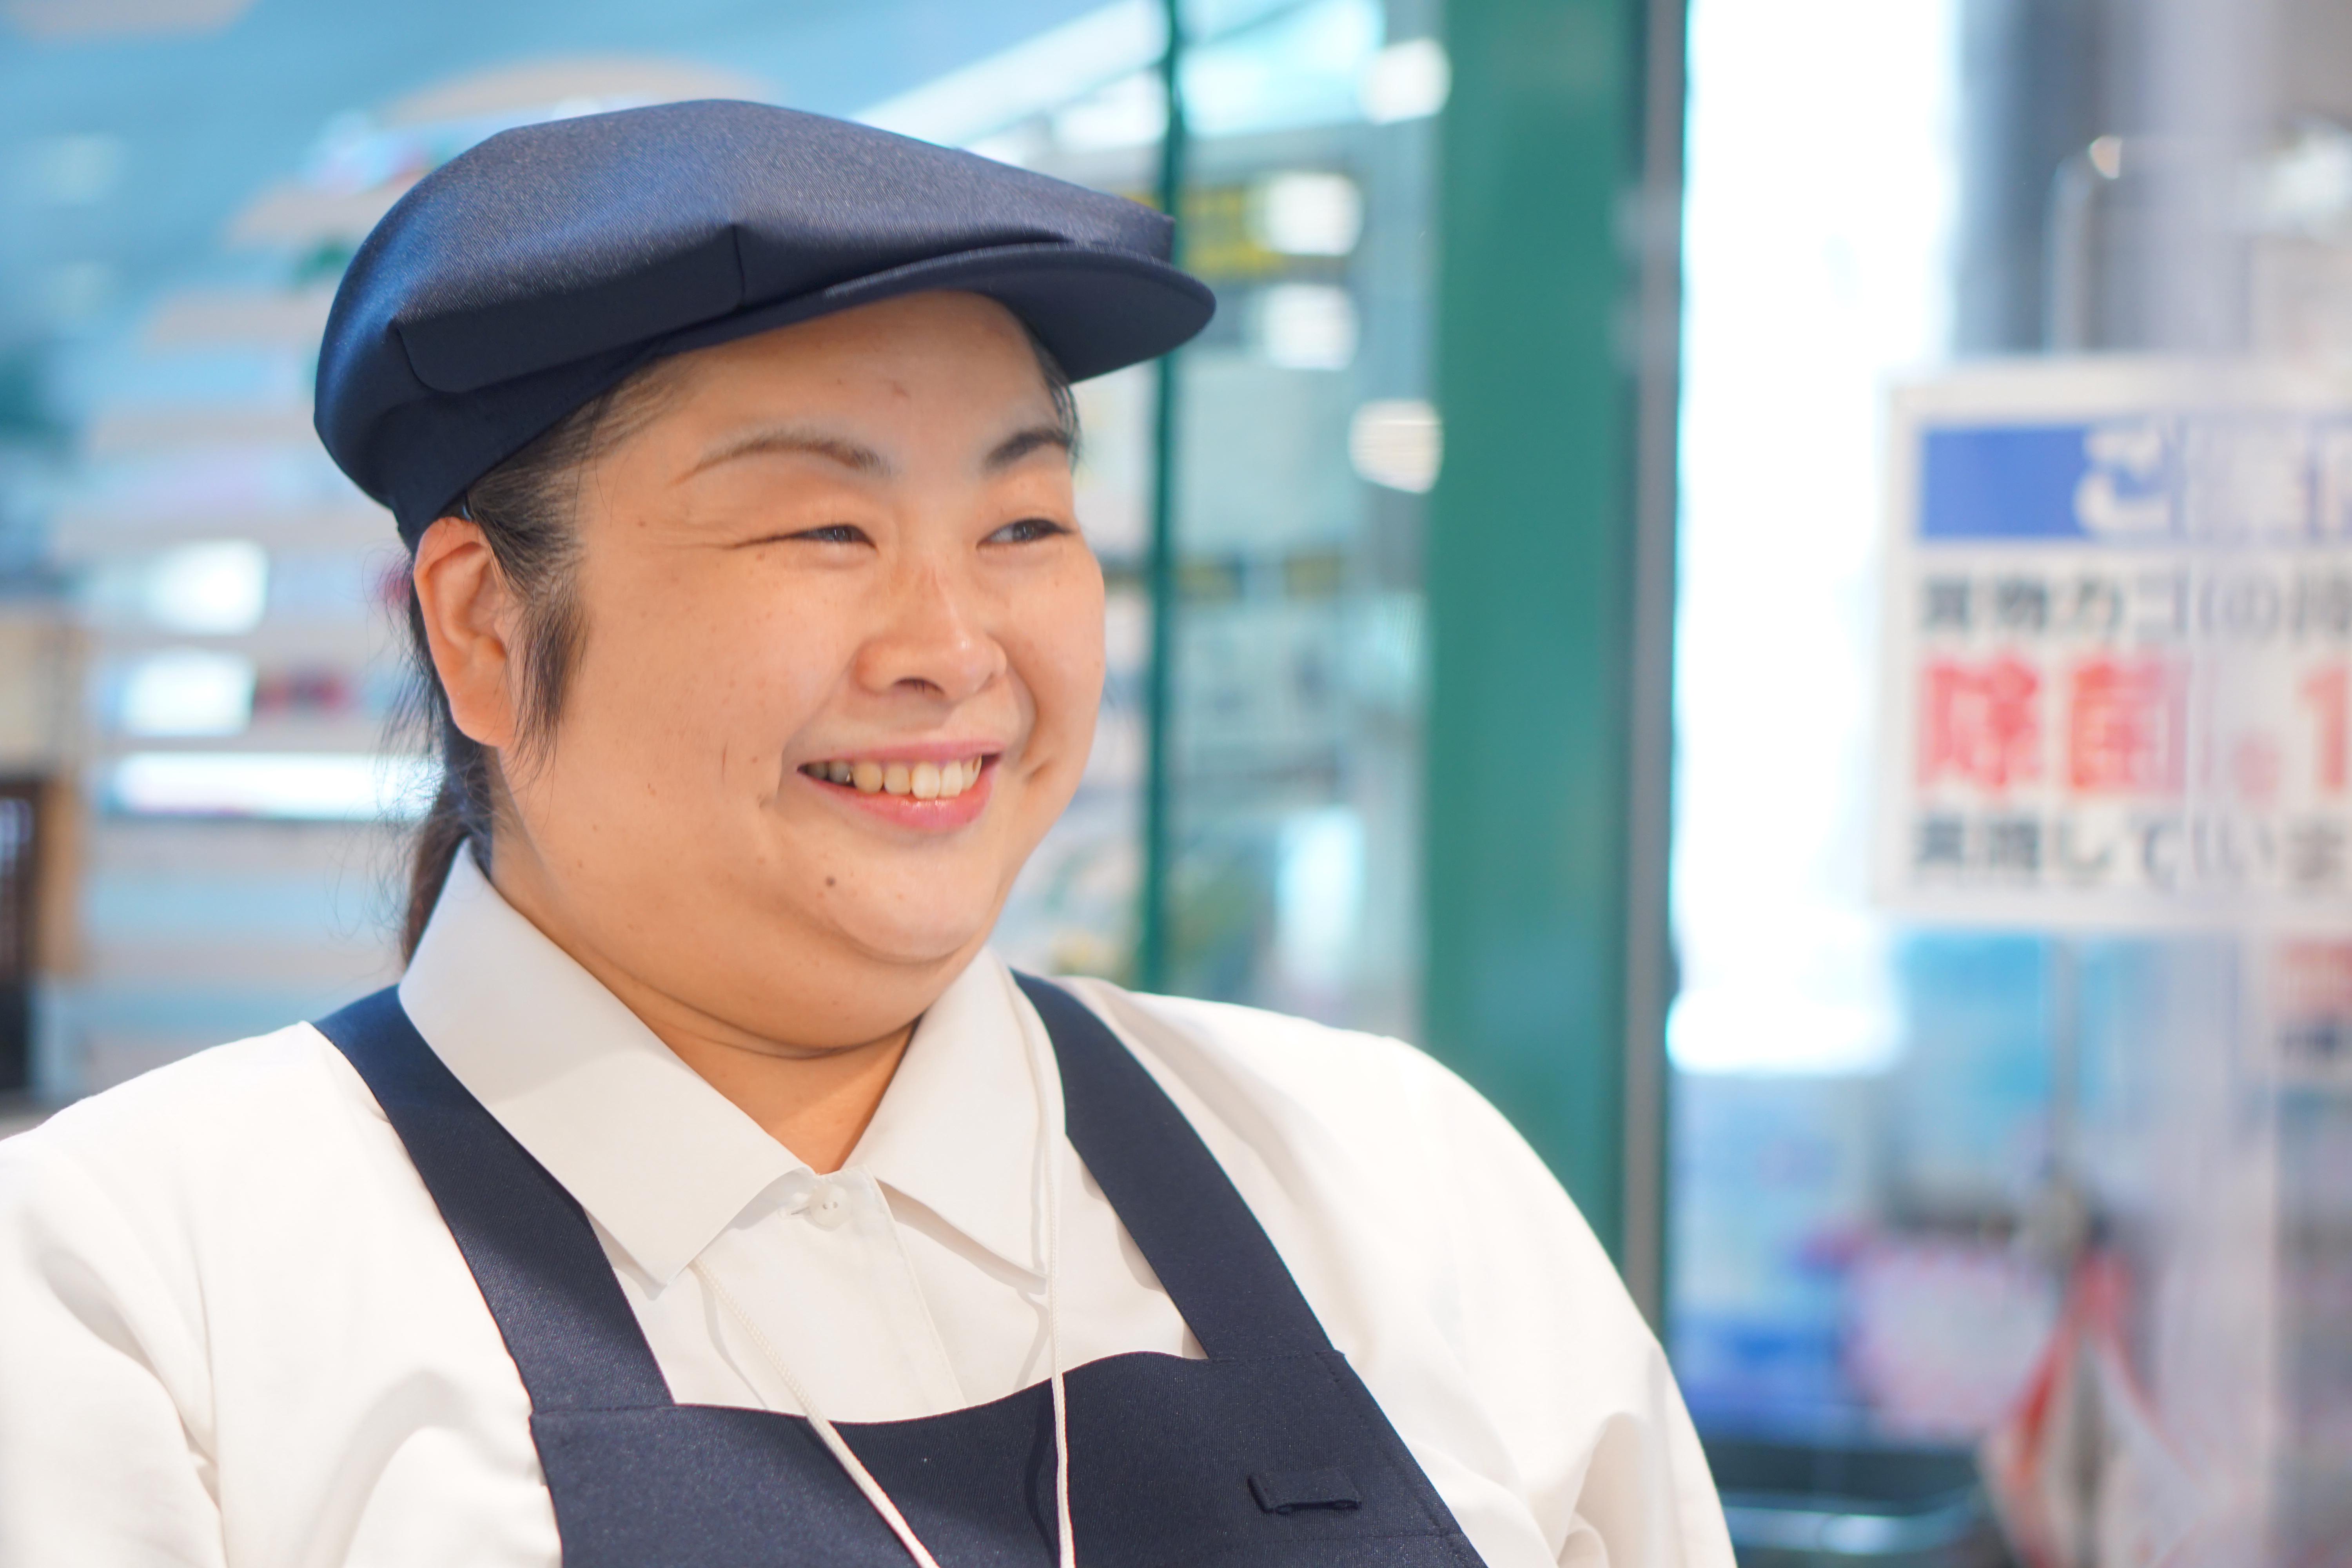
234 1330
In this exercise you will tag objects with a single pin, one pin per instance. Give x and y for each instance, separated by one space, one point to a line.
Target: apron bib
1269 1454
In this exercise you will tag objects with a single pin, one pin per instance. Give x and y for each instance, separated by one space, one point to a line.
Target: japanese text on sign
2120 658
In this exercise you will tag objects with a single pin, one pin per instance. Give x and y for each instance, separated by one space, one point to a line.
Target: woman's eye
830 533
1028 531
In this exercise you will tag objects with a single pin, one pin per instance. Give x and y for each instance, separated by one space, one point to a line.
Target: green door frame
1550 573
1153 912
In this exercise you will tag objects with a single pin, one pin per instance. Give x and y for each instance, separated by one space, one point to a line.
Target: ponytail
466 801
527 509
438 838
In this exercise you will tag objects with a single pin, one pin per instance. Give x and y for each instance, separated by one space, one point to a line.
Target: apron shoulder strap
1212 1257
531 1247
559 1306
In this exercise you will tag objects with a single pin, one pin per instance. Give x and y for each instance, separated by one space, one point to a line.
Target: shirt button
826 1210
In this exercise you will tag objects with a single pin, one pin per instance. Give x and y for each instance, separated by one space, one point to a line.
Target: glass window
2006 889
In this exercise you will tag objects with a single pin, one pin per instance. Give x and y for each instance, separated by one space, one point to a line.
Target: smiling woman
761 644
525 511
866 522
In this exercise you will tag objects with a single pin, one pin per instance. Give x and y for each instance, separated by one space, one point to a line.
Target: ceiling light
218 589
1305 326
119 19
1303 213
1397 443
187 692
1408 81
330 786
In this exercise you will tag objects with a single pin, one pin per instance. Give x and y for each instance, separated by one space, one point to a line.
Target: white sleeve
1546 1329
102 1382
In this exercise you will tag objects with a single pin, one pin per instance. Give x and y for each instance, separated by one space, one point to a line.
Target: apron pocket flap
1287 1491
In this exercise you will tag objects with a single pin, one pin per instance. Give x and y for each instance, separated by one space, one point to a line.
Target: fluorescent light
1020 146
1397 443
1035 76
1255 65
1409 80
77 19
219 588
1307 212
317 787
1300 66
1131 112
1751 1028
1318 898
187 692
1307 326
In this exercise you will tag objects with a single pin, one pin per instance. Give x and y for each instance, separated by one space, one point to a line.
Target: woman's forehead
873 390
941 329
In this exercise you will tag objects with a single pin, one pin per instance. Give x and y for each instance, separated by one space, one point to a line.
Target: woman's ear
470 622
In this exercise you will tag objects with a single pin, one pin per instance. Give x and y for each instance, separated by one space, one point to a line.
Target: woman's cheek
712 661
1065 654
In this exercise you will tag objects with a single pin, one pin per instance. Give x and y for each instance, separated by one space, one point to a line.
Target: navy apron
1269 1452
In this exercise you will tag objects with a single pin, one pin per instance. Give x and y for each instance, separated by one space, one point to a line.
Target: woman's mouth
918 780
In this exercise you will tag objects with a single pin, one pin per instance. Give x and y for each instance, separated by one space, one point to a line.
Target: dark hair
528 509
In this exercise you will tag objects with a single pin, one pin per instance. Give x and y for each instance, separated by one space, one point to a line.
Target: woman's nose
932 641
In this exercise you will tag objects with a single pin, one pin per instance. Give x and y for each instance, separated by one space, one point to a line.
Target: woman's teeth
924 780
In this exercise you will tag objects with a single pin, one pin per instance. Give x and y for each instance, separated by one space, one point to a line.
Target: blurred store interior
1769 579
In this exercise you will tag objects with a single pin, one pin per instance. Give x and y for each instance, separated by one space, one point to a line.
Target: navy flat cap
537 270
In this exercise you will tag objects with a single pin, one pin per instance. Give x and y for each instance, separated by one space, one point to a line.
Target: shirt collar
663 1162
958 1131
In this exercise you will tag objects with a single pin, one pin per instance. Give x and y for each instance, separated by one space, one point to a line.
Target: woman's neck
816 1105
814 1100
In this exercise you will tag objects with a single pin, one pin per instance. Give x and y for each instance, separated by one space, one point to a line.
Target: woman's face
842 646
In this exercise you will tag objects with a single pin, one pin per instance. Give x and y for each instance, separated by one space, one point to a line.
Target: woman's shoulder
1289 1052
1384 1102
254 1108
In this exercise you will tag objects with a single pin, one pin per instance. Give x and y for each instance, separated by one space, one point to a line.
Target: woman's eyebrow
1021 443
789 438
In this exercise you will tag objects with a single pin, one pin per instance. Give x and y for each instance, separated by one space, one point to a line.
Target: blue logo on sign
2113 482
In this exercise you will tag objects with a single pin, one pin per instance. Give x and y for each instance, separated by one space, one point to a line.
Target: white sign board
2119 647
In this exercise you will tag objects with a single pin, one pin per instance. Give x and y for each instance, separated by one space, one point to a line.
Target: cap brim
1096 311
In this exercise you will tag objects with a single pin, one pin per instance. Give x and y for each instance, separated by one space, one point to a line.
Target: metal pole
2066 320
1151 942
1650 980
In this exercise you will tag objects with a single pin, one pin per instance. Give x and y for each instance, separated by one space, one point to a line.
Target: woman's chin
914 944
